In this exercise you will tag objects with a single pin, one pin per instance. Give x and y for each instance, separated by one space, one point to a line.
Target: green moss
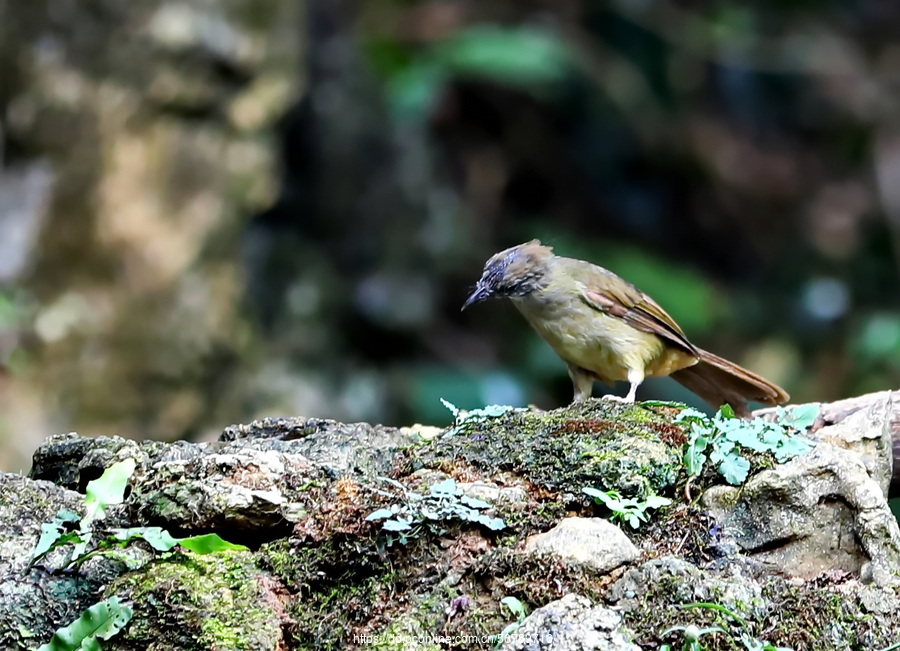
822 617
539 517
347 591
816 615
189 601
594 443
342 587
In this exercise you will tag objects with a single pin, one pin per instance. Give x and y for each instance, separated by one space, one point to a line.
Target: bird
606 329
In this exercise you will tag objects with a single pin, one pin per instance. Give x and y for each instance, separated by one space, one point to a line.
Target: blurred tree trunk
154 120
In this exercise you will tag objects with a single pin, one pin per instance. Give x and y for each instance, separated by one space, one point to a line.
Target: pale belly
601 344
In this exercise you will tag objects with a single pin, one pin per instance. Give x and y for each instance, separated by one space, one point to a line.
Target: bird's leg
582 382
635 377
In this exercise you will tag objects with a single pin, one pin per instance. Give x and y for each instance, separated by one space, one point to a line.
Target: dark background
213 211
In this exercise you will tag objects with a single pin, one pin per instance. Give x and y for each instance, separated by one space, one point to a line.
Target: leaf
611 499
494 524
515 606
208 543
474 502
734 468
507 631
628 503
694 459
690 414
593 492
792 446
772 435
656 501
396 525
66 516
412 92
445 487
53 534
727 411
757 439
495 411
720 451
462 418
525 57
751 643
102 620
664 403
380 514
63 539
107 489
157 537
81 545
801 418
490 411
453 408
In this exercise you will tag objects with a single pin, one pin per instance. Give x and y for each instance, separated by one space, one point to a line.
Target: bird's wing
606 292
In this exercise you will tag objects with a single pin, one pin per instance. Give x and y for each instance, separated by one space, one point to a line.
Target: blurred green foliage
532 60
877 341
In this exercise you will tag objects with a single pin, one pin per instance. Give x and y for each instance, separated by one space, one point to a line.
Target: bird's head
513 273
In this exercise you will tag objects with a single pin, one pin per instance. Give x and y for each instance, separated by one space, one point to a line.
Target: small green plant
754 644
692 634
442 503
722 438
626 509
517 608
462 418
99 622
67 528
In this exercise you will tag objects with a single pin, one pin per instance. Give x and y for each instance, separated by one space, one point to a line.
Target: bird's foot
624 399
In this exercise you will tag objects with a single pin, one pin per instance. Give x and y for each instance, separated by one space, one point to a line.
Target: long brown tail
720 382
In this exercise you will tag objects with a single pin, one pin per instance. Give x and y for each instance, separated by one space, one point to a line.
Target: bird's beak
481 293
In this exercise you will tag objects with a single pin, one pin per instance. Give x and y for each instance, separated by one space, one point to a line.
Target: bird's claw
624 399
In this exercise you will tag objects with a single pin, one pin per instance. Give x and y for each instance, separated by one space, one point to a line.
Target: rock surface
818 513
320 574
572 623
869 434
593 542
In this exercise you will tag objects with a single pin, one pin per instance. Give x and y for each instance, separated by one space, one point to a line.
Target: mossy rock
188 602
596 443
